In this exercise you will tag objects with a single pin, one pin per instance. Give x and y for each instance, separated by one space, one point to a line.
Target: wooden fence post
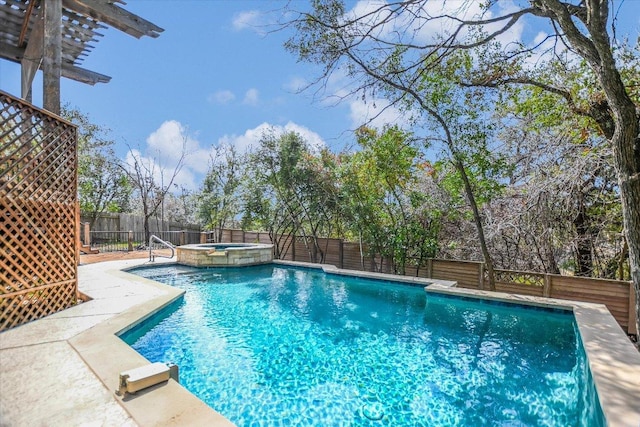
429 268
203 237
341 253
87 234
546 290
293 247
130 241
183 237
632 310
481 276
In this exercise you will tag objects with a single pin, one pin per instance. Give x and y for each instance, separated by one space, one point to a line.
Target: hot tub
224 254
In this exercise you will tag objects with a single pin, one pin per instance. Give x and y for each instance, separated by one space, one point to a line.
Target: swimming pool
272 345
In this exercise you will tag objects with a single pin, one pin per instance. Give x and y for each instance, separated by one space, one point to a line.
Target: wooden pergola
39 213
56 35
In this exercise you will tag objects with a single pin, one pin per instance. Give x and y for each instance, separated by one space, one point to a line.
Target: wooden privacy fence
618 296
124 222
38 213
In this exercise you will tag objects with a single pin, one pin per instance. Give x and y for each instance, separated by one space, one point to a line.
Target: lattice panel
519 278
38 217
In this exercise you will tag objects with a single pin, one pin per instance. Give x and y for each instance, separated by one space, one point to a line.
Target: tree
564 200
298 190
102 185
181 206
219 200
382 203
151 181
387 46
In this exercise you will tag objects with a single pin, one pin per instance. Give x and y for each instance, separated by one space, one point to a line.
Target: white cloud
167 143
539 38
315 141
250 139
222 97
296 84
244 143
375 113
163 150
249 19
421 22
185 178
251 97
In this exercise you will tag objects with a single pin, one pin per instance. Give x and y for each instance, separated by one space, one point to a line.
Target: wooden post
314 253
130 241
87 234
203 237
244 237
52 55
183 237
293 247
32 58
78 243
481 276
546 290
340 253
631 329
429 268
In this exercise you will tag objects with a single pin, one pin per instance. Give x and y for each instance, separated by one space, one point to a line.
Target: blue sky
213 76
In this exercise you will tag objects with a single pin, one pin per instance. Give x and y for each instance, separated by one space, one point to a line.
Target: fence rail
108 221
127 241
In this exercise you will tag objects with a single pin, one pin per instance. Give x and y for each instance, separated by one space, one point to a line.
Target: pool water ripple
271 346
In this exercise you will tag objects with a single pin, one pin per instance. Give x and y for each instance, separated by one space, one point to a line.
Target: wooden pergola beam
68 71
55 35
25 23
82 75
106 11
32 57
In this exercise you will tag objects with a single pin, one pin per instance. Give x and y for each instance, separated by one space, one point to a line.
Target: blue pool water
278 346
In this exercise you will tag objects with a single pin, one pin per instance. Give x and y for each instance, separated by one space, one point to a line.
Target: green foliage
292 190
383 204
102 184
218 201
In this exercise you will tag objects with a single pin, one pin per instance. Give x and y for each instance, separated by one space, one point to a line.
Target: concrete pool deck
62 370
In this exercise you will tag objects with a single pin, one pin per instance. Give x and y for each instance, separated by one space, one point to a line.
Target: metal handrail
162 242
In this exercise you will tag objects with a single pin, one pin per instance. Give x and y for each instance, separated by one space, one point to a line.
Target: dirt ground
114 256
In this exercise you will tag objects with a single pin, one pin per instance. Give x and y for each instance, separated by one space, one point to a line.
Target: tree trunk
626 153
584 257
147 232
617 117
93 219
624 254
553 267
628 167
478 221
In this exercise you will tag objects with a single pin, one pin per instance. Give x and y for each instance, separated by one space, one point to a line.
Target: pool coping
166 404
94 338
